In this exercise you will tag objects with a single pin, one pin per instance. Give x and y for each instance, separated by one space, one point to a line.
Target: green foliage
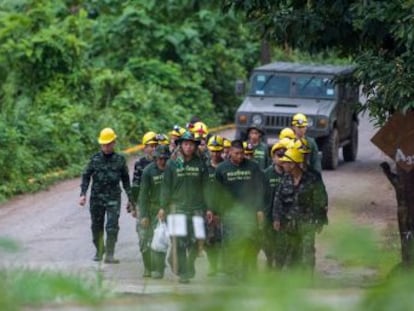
70 68
23 287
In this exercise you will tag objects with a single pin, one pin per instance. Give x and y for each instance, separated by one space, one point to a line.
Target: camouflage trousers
99 210
300 246
274 247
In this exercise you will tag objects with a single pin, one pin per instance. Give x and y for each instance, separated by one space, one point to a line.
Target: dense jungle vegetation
70 68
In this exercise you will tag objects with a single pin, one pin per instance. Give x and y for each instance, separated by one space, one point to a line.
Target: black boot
98 241
146 259
110 249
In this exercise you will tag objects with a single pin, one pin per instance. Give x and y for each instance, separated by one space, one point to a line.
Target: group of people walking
246 196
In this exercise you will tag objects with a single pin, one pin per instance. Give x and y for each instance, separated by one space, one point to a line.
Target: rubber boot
98 241
110 249
158 264
146 259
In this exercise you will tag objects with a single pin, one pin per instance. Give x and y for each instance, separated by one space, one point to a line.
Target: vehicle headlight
322 123
257 119
242 119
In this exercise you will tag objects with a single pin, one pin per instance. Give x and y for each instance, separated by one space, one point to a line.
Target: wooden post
403 183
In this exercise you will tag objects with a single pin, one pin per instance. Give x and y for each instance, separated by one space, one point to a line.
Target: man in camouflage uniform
273 244
182 193
151 213
241 208
255 134
300 126
300 210
106 169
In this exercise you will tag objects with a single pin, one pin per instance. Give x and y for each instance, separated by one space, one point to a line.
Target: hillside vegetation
70 68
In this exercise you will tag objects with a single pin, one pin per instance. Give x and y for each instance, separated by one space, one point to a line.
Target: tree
379 36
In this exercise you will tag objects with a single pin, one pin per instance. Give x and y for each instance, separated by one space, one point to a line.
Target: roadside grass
22 287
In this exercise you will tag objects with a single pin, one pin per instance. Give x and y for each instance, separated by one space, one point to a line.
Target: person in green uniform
255 135
299 210
151 212
212 244
273 244
182 193
150 142
107 169
300 126
241 208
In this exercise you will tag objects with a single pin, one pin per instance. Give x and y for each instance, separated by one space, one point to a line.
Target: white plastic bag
177 225
199 228
160 240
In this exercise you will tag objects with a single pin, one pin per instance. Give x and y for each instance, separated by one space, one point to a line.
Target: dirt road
53 231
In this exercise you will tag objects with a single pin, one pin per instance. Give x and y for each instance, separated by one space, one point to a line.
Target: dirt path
54 232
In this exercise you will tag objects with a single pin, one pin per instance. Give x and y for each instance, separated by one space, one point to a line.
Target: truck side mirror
240 87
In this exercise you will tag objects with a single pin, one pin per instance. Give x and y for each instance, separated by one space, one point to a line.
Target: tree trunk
403 183
265 52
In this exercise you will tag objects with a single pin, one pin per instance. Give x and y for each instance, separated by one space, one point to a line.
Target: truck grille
278 121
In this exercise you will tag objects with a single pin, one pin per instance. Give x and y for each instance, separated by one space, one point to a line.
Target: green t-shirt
183 185
150 194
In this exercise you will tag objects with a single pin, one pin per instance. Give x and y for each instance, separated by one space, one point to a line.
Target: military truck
326 94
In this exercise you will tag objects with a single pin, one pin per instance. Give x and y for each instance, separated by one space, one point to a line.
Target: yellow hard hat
287 132
292 155
300 120
248 148
215 143
302 145
149 138
177 131
284 143
162 139
226 143
200 128
106 136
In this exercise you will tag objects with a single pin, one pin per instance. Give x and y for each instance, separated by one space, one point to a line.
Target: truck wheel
350 150
330 151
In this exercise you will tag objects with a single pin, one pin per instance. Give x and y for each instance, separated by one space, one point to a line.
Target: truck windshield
315 87
272 84
269 84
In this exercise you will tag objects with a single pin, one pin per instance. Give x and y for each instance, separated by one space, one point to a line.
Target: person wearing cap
255 134
248 150
200 131
182 193
287 132
175 134
213 224
151 213
273 244
107 169
149 140
226 148
300 126
299 210
241 196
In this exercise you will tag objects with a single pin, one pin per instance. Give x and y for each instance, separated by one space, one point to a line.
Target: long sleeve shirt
183 186
106 173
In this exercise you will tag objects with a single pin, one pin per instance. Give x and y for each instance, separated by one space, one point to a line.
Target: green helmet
188 136
162 151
